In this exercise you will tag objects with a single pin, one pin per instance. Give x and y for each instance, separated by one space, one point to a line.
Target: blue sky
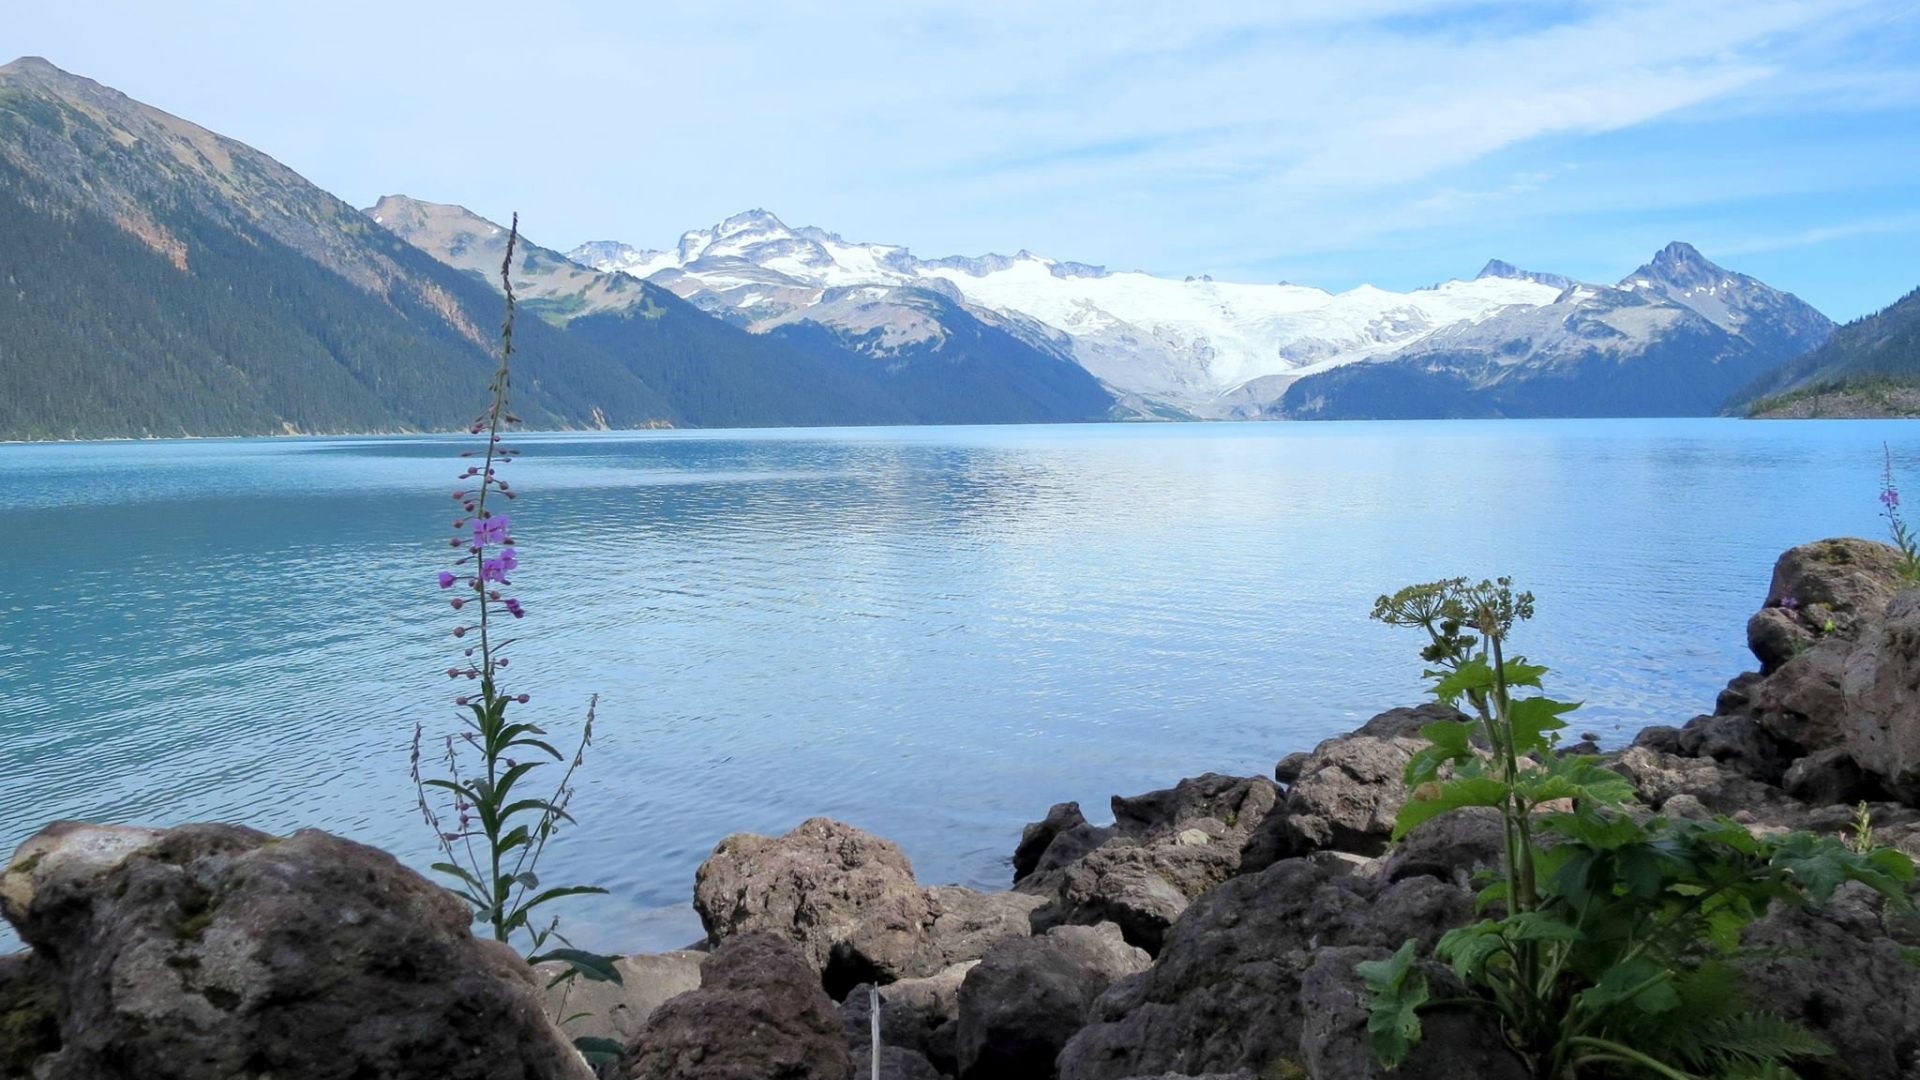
1397 142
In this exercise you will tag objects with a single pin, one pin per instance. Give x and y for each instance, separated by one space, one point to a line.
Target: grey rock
1068 847
197 951
1226 808
1455 1043
1659 777
1736 741
759 1014
1022 1003
967 922
29 1014
915 1014
1882 686
1141 889
1347 793
845 897
1289 768
1829 776
1039 835
1660 737
1452 847
896 1063
1871 1016
1802 703
1843 581
1224 992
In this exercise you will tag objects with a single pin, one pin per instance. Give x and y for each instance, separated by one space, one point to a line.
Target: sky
1391 142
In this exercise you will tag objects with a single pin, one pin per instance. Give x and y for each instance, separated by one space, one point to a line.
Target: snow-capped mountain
1221 349
1194 344
1678 336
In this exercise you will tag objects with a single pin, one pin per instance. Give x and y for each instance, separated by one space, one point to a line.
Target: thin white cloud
1823 234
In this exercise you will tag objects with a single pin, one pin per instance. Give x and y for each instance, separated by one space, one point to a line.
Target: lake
933 633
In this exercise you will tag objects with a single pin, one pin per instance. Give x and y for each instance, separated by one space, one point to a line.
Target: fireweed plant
1897 530
491 831
1604 950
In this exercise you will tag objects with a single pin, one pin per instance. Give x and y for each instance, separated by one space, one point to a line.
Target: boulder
211 950
1452 847
1225 808
29 1013
1659 777
617 1010
1829 776
1140 889
1347 793
1066 848
1736 741
895 1064
1028 996
1224 994
967 922
1882 688
1828 588
1039 835
759 1013
915 1014
1802 704
1871 1016
845 897
1455 1043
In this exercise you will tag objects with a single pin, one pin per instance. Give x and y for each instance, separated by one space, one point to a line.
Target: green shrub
1604 947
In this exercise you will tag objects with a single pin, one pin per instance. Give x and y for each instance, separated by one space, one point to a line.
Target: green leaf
598 1050
1648 985
1574 777
591 965
1472 676
1453 794
1521 673
1537 926
1450 741
513 839
1605 832
455 870
1532 718
1468 948
1393 1021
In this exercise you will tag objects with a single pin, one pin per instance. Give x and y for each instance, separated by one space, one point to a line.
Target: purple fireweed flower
514 608
490 530
495 569
447 579
1789 602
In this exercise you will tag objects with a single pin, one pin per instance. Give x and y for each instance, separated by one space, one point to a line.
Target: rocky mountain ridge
1672 338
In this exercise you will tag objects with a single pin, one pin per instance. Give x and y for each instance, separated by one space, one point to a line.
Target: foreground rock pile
1211 930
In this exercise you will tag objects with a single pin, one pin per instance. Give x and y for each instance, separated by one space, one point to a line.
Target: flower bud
522 699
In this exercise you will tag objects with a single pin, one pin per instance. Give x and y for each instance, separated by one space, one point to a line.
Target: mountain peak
29 63
754 220
1681 264
1500 268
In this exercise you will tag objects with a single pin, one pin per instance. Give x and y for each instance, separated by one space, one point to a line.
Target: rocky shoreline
1211 930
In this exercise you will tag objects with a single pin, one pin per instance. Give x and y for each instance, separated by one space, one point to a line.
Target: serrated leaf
1393 1021
1461 791
1532 718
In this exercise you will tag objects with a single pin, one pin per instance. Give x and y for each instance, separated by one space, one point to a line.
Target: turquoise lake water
933 633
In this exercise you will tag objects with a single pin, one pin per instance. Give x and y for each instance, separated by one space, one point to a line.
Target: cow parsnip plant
1607 933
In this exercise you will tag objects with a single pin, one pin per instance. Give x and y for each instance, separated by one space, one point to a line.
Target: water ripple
934 633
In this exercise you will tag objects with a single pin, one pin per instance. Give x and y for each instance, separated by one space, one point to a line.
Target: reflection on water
932 632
